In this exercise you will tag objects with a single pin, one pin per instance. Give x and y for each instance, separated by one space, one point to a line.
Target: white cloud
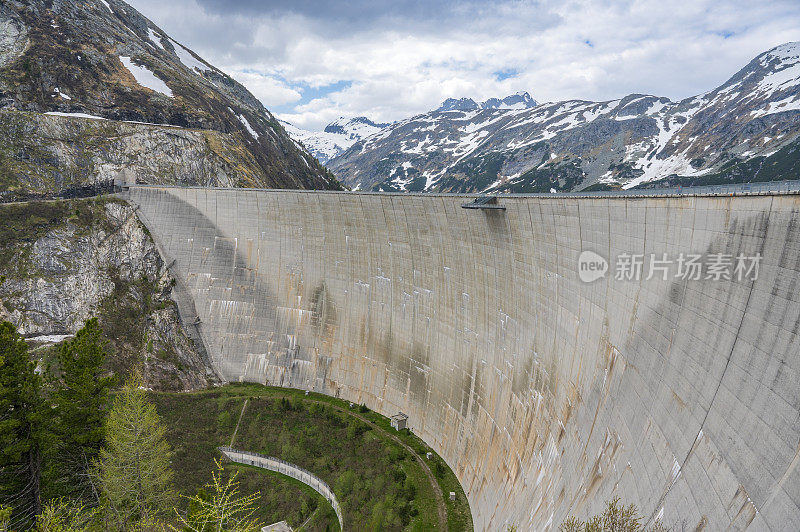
396 67
266 88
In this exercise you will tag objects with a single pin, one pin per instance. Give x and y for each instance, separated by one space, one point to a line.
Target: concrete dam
547 393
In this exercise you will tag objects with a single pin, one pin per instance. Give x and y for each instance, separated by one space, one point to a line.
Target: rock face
745 130
65 262
546 394
42 153
13 38
336 137
104 59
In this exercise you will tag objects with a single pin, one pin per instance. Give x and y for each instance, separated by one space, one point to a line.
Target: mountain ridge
520 100
745 129
343 132
336 137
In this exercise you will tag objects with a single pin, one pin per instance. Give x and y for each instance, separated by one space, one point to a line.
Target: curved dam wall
547 395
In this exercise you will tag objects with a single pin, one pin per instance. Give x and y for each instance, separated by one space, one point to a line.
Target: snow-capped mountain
745 130
335 138
520 100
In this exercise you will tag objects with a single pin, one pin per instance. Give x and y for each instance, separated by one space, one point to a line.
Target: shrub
616 518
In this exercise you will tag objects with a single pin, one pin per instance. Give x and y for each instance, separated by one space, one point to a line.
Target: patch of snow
62 94
146 78
657 168
729 88
534 117
668 126
607 178
497 183
401 183
155 37
792 103
655 108
431 178
471 128
462 116
569 121
785 53
75 115
468 144
188 60
247 125
50 338
787 72
106 4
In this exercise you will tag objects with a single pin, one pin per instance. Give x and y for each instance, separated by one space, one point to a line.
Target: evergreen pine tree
133 468
22 434
80 398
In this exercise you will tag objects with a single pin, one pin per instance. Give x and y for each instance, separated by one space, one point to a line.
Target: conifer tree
133 469
81 399
22 434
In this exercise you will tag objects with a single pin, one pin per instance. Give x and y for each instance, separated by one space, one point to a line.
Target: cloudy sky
310 62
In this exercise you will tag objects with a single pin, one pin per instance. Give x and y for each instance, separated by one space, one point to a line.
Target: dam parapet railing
766 188
290 470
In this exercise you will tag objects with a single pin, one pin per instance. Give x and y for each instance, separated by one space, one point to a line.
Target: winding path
437 490
241 415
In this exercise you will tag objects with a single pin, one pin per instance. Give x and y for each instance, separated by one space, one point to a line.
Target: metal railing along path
290 470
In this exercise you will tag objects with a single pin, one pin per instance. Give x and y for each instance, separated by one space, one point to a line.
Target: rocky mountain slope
65 261
125 101
745 130
343 132
335 138
520 100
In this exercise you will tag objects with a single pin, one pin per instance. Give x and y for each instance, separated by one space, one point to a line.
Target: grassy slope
361 464
197 424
